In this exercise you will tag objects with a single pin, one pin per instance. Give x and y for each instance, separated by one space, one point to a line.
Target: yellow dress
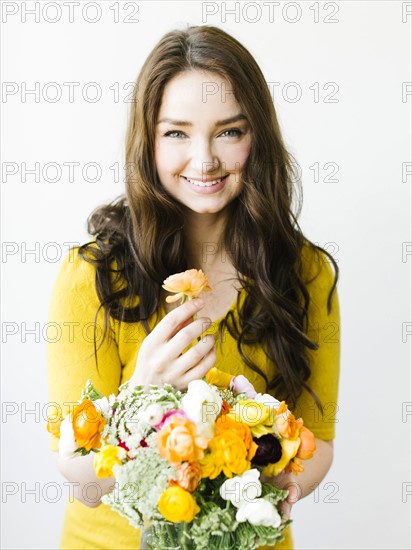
71 362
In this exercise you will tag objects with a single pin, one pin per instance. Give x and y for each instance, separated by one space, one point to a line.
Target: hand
285 481
160 358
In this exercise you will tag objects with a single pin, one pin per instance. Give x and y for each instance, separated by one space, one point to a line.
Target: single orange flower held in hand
186 285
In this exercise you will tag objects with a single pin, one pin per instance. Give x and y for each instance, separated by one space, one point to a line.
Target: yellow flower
105 459
219 378
256 415
176 505
228 453
188 283
223 423
53 425
289 449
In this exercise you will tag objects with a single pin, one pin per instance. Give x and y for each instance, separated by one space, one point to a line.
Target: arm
71 362
79 472
304 483
324 328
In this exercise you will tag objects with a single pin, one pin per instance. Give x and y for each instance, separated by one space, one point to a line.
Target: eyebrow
230 120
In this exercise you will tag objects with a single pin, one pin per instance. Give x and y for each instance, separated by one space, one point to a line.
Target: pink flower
241 384
174 412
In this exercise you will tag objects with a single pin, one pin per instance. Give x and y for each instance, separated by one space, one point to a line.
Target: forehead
198 92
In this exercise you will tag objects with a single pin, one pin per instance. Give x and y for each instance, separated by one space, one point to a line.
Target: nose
203 159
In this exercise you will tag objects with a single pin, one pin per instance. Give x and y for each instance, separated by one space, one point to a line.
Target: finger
294 492
200 369
170 324
186 336
180 376
196 353
281 480
206 323
285 509
181 326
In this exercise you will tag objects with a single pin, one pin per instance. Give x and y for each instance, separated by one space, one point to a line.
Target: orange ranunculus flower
224 423
219 378
176 505
228 453
307 444
178 441
188 476
286 423
88 423
294 466
188 283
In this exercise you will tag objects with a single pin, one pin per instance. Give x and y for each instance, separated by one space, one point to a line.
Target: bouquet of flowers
188 465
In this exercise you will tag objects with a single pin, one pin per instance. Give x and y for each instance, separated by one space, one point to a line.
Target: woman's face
202 141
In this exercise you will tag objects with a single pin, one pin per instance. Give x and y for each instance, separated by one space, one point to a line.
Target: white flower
153 414
204 429
102 405
243 489
267 400
259 512
67 442
202 403
121 396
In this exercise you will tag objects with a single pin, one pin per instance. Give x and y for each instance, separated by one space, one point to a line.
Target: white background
363 218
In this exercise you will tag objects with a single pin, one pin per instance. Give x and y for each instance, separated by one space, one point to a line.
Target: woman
208 186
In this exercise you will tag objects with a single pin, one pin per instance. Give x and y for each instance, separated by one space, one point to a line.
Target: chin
205 211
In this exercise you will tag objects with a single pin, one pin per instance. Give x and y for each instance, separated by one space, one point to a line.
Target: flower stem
172 535
195 315
185 538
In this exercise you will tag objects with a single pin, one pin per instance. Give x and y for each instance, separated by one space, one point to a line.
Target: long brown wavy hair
140 239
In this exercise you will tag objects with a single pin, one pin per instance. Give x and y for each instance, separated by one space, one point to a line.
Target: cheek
236 157
167 159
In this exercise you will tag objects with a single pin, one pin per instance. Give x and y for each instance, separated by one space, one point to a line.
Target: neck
203 238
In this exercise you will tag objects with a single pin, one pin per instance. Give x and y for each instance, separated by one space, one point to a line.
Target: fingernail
199 303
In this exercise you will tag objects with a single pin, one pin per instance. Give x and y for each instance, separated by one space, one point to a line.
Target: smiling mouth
205 183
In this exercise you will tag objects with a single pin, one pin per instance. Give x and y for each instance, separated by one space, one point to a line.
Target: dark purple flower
269 450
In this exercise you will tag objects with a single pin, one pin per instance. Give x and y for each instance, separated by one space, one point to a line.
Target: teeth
205 183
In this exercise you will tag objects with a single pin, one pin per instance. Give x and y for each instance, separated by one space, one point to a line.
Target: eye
232 132
174 134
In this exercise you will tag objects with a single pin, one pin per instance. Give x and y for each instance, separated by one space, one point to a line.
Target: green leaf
90 392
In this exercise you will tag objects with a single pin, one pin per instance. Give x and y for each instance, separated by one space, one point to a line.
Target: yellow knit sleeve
324 329
70 354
